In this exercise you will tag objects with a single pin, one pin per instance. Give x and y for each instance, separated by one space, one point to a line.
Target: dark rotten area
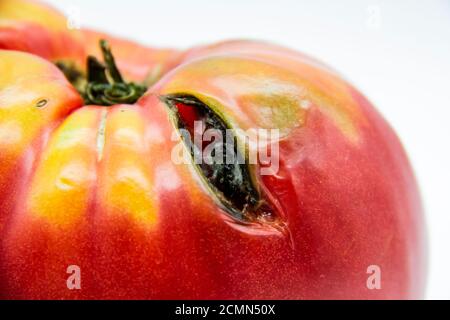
231 181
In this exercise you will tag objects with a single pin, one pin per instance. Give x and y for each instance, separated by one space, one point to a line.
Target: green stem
104 84
96 71
111 67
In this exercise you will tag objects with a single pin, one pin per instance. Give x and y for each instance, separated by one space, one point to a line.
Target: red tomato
88 177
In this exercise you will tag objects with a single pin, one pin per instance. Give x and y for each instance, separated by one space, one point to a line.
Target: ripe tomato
88 177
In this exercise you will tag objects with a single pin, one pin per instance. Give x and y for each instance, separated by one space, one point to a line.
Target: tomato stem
104 84
110 63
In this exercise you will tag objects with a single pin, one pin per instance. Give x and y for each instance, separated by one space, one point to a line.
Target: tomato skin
97 186
33 27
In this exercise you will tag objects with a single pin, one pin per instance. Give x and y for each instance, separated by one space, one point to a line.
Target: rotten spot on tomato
216 154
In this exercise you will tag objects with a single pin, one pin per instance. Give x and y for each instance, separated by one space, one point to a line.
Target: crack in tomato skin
232 183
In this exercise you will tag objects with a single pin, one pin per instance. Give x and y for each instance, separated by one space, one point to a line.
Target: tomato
89 176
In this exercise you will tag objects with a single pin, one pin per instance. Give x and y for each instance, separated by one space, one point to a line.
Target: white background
396 52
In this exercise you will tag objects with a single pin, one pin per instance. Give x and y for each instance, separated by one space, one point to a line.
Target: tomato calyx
231 182
103 85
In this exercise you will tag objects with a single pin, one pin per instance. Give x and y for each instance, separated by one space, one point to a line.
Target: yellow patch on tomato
62 185
126 183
